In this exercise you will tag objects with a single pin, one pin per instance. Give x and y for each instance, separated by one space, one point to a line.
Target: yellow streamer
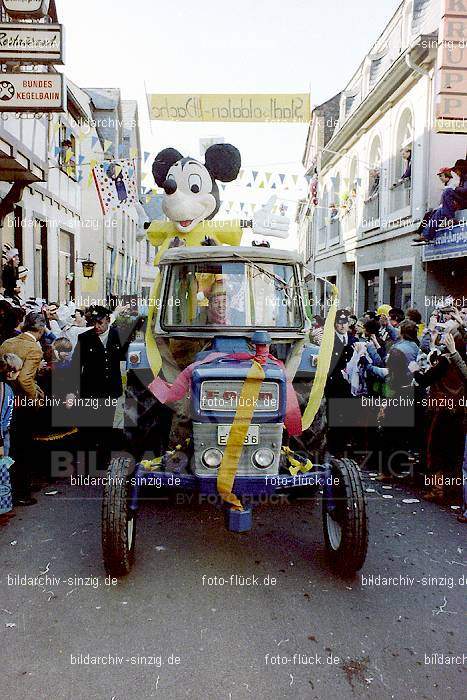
324 362
238 432
296 465
154 356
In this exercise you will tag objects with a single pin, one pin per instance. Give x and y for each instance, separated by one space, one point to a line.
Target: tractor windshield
234 294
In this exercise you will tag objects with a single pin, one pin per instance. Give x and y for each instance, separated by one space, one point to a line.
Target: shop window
400 287
371 283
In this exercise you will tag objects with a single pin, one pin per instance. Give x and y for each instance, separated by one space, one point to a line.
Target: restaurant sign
35 43
451 77
25 9
32 92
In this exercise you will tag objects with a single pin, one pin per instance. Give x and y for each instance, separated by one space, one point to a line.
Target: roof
229 253
104 98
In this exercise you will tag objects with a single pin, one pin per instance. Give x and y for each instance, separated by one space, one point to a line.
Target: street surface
170 633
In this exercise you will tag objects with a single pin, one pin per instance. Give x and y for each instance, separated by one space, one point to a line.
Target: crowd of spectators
410 384
51 356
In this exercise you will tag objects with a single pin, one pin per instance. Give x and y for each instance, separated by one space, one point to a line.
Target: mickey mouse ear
162 164
223 161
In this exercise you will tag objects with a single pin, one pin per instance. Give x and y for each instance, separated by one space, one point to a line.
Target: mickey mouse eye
194 183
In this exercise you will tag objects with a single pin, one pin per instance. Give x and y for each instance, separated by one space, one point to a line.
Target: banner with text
230 108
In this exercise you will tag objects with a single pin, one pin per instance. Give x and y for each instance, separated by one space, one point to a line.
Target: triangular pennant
94 142
294 178
268 176
255 174
273 186
261 185
146 155
249 184
107 145
133 152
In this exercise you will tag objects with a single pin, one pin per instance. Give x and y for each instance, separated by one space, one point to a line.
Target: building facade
377 175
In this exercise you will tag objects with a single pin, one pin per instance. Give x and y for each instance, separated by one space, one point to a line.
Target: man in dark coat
96 379
337 390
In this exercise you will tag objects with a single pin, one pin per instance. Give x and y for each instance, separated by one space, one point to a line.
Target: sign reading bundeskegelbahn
25 9
32 92
35 43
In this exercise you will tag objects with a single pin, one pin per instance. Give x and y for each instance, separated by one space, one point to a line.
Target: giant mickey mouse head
191 191
192 195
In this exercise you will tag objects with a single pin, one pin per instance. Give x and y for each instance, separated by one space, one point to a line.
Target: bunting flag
268 177
107 145
94 142
255 174
146 156
133 152
81 160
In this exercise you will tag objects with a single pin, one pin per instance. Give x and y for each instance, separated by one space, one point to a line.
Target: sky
221 46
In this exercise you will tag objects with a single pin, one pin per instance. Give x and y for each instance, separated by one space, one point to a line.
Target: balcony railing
371 212
401 194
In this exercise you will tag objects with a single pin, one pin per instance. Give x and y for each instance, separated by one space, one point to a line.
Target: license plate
252 437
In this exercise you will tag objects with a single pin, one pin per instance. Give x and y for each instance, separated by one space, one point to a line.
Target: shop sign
36 43
32 92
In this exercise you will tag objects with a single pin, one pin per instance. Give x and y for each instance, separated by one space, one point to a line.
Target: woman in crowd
10 367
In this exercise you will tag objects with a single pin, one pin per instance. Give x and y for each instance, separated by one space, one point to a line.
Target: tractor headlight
212 458
263 458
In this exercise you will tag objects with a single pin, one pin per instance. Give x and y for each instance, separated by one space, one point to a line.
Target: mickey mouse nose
170 186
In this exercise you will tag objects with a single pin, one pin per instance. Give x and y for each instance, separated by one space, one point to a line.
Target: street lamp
88 267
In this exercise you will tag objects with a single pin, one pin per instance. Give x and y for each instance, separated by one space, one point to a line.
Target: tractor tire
346 526
118 520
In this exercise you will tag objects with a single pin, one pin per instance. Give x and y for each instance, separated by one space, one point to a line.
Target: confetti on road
14 542
387 495
370 490
50 493
45 570
10 624
291 679
160 548
410 500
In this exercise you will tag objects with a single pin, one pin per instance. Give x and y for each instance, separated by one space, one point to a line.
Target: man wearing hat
337 386
453 199
10 275
95 375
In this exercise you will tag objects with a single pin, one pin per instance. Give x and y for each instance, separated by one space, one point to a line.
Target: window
376 71
236 294
372 200
41 290
401 188
334 210
324 213
350 103
67 155
65 266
